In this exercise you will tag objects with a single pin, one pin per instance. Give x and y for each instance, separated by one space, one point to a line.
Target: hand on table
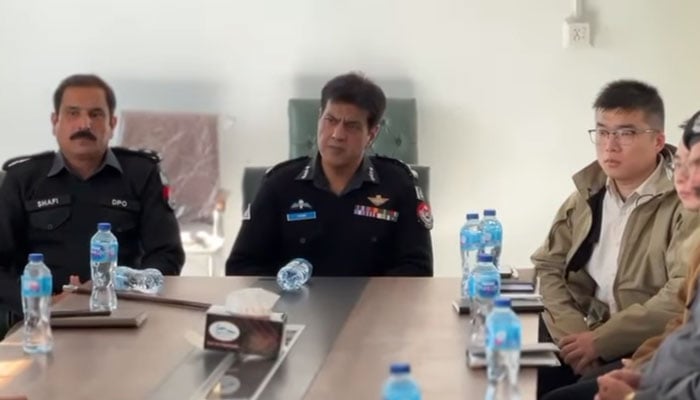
74 280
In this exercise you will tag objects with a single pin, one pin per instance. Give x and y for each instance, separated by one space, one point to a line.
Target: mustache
83 134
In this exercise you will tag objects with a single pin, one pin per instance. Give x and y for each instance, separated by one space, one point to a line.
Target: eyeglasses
623 136
680 168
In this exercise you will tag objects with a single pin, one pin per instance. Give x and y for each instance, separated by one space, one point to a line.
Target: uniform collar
314 172
59 163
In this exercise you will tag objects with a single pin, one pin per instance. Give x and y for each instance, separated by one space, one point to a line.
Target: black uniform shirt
380 224
44 208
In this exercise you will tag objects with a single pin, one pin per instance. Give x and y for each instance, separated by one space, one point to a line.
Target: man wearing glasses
609 270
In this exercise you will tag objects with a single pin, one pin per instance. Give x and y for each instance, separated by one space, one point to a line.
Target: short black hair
632 95
84 80
356 89
691 131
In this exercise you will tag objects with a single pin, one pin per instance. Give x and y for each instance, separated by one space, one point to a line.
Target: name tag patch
121 203
301 216
375 212
48 202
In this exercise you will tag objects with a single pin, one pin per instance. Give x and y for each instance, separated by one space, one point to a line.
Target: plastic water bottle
487 287
104 250
492 236
469 243
503 344
149 280
294 274
37 288
400 385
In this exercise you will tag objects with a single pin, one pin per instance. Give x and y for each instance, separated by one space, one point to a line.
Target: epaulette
411 172
146 153
21 159
286 163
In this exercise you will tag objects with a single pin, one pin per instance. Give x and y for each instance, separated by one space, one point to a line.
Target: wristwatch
630 396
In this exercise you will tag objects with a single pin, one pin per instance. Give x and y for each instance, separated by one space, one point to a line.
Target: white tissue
251 301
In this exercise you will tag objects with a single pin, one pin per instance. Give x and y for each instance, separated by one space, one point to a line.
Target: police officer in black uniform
51 202
348 213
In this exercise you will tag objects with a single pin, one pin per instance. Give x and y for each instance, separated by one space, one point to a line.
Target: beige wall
503 108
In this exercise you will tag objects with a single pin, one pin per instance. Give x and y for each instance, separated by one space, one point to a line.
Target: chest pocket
298 232
375 225
50 213
123 214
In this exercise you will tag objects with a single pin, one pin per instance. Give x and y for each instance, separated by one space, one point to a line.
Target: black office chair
4 314
252 180
7 318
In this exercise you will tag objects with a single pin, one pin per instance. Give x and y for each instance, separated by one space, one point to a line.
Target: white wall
503 108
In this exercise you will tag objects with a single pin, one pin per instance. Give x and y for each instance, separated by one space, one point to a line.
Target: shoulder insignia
411 172
425 215
424 212
167 190
21 159
287 163
146 153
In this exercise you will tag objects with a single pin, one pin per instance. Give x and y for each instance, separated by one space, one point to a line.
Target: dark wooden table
355 327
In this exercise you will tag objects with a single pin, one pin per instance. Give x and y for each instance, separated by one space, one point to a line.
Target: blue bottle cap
489 212
36 257
471 216
104 226
485 258
400 368
502 302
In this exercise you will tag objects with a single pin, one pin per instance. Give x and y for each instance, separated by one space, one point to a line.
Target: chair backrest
397 137
188 145
2 176
252 179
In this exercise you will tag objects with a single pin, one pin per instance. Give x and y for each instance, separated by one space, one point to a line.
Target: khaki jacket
691 250
650 269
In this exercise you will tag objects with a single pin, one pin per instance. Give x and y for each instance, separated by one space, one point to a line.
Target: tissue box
247 334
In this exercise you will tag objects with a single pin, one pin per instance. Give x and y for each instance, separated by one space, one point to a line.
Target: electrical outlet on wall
576 34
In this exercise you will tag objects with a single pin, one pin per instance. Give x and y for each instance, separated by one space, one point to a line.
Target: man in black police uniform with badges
51 202
348 213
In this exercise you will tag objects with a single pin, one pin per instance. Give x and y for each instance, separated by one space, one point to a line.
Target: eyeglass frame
592 134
